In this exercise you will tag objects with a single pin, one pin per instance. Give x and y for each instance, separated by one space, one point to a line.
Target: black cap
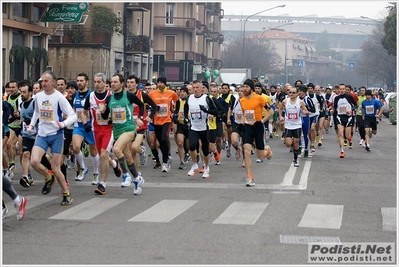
184 88
311 85
162 80
369 92
72 84
258 85
250 83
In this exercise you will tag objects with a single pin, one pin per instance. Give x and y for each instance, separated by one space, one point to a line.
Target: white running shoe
194 169
206 175
169 163
165 167
96 179
82 174
138 182
126 180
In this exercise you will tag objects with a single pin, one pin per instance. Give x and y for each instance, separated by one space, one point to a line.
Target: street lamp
274 28
364 17
356 30
245 21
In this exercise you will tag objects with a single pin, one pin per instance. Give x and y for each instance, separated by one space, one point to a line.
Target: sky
348 9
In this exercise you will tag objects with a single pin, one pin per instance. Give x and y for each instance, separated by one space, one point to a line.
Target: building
176 40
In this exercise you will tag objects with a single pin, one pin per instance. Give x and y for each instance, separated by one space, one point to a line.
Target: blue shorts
150 127
89 137
313 119
55 142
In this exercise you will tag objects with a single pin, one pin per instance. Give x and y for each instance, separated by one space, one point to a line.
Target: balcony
177 23
198 58
138 43
81 37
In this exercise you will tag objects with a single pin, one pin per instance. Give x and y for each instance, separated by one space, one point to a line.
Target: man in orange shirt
162 119
253 129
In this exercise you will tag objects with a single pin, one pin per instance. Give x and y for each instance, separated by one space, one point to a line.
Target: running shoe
276 134
312 149
169 163
228 153
48 184
126 180
238 153
24 181
182 166
250 182
361 142
367 148
21 208
319 144
217 163
226 146
259 160
216 155
31 181
138 182
269 152
82 174
5 212
193 170
12 167
306 154
96 179
345 142
164 167
203 169
296 164
350 145
143 157
85 150
342 155
186 157
100 189
206 173
117 169
66 199
243 164
157 165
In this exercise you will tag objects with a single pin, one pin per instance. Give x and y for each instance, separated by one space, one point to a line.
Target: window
20 10
170 10
36 41
37 13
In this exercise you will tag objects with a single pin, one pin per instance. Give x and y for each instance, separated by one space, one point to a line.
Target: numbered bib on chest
238 116
292 116
79 114
100 120
249 116
118 115
46 114
342 109
196 115
163 110
369 109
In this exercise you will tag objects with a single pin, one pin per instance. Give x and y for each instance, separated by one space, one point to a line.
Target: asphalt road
190 220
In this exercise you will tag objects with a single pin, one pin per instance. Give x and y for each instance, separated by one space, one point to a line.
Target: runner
371 111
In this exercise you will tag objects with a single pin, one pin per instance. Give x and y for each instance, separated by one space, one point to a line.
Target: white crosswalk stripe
322 216
89 209
242 213
164 211
388 218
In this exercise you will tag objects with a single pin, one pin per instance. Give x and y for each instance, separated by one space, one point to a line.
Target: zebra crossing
321 216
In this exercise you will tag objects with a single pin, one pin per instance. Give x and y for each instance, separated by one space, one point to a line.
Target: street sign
369 85
300 64
262 76
65 12
351 64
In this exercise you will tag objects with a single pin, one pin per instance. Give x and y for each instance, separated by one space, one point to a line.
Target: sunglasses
292 92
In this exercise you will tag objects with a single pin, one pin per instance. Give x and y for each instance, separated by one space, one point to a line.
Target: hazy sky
348 9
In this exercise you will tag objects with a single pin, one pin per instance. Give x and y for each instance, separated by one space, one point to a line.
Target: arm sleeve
147 99
212 108
87 103
134 100
35 116
67 109
310 105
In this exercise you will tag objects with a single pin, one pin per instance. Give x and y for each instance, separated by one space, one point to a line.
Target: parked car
385 102
392 110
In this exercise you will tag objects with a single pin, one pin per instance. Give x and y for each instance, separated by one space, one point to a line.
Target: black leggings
162 134
7 187
194 136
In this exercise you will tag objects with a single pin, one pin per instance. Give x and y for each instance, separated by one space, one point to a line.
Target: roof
277 34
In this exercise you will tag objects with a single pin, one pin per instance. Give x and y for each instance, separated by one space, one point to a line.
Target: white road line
388 219
242 213
33 201
88 209
303 182
164 211
322 216
298 239
289 176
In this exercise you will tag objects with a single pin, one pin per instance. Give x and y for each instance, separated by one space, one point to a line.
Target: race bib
292 116
46 114
342 110
118 115
249 116
196 115
163 110
79 114
100 120
238 116
369 109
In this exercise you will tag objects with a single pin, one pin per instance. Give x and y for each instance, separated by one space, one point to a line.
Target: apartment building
176 40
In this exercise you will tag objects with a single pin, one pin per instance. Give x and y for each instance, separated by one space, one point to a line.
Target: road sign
262 76
65 12
351 64
369 85
299 63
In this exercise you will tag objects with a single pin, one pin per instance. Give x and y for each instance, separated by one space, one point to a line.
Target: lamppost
245 21
285 55
364 17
